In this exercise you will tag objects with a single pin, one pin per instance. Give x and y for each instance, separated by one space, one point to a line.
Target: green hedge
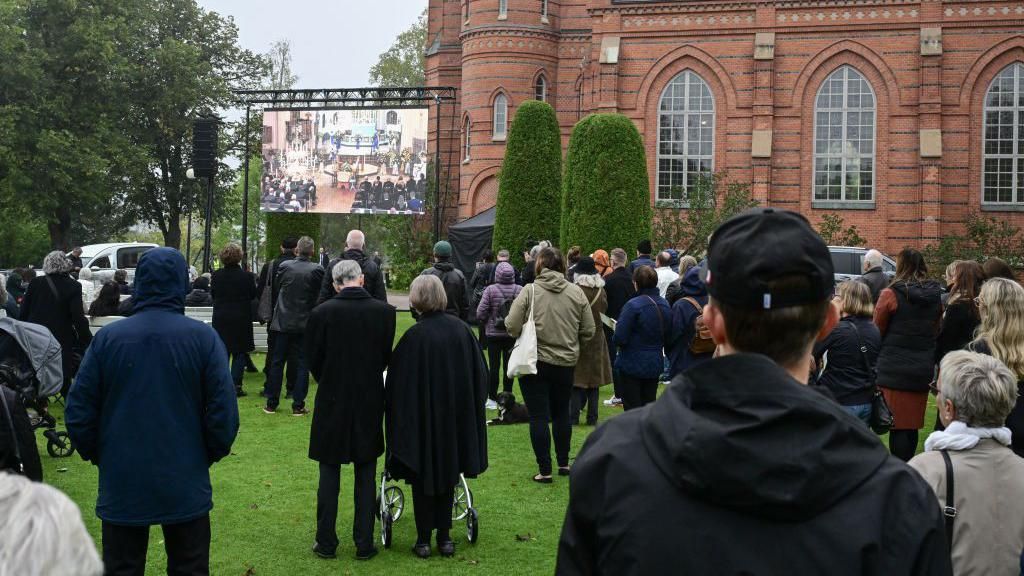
605 195
282 225
530 182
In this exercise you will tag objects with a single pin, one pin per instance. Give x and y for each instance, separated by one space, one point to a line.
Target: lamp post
190 174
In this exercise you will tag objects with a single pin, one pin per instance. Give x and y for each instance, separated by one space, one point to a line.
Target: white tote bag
523 360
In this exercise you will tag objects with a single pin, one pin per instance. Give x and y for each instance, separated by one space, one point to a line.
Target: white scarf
960 436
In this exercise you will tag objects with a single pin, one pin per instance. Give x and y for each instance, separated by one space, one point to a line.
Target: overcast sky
334 42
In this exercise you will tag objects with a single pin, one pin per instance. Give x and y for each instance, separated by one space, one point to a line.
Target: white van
105 259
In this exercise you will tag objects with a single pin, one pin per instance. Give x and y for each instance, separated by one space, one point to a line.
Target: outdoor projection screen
365 161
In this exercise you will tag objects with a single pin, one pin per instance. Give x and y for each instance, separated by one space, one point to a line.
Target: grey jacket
297 284
876 281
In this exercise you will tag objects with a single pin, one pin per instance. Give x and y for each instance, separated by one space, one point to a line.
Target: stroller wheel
59 445
472 526
386 523
460 507
394 502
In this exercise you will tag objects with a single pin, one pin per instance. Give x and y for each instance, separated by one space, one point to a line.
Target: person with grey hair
971 461
373 279
348 347
10 307
874 276
54 300
435 394
42 532
674 292
88 287
297 285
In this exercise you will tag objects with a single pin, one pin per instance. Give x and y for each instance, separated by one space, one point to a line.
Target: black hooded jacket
373 282
739 469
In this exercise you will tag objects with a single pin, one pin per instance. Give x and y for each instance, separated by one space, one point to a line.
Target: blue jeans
861 411
238 362
288 348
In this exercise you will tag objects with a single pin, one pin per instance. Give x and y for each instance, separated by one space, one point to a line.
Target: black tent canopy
469 239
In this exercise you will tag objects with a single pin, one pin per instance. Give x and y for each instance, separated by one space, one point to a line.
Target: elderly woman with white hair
42 532
977 479
54 300
434 397
88 287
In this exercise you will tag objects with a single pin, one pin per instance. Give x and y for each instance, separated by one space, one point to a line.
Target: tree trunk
172 235
60 229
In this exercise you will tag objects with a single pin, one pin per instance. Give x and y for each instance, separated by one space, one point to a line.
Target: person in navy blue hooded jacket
693 297
153 407
640 334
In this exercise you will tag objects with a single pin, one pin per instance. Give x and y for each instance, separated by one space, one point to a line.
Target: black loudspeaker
204 147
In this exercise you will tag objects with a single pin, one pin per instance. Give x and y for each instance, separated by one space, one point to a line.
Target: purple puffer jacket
505 288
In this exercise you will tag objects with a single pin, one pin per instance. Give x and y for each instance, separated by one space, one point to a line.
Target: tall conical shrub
530 182
605 194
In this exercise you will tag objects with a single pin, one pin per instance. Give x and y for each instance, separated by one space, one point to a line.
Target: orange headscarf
602 262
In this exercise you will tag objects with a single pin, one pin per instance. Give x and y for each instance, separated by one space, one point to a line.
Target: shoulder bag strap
53 287
949 510
863 353
533 300
661 319
14 436
597 296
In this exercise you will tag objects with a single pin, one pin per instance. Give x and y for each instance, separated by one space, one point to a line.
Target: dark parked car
849 262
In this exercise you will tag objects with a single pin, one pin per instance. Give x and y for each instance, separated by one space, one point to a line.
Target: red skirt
907 408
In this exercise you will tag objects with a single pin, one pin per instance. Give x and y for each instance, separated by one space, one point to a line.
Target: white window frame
1016 157
685 156
844 110
544 9
502 9
468 143
542 83
499 130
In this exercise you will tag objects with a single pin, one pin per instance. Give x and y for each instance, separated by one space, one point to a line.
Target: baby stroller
30 364
391 504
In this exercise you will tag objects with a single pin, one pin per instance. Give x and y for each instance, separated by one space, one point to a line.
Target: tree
709 203
832 231
983 237
530 182
280 75
403 63
184 61
606 196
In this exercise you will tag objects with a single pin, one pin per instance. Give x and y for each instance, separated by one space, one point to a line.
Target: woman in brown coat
594 368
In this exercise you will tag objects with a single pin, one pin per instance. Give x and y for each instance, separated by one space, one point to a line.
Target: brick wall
917 86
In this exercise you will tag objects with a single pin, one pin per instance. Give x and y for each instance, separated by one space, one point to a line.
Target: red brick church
900 115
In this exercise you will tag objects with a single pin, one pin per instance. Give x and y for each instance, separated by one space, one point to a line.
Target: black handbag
881 420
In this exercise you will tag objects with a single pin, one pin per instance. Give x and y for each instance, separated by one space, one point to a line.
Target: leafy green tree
606 197
712 201
403 63
279 76
530 182
833 231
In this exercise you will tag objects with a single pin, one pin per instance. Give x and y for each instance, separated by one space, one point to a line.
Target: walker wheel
59 445
394 502
472 526
386 524
460 505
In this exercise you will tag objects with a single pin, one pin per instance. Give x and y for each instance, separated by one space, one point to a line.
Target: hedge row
530 182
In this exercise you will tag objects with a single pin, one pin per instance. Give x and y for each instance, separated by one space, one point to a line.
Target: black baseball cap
289 243
751 252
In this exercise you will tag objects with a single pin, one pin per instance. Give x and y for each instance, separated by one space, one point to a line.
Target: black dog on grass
510 411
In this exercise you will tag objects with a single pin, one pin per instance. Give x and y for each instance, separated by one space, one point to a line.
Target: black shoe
563 470
269 410
366 554
421 550
299 411
239 393
322 553
446 549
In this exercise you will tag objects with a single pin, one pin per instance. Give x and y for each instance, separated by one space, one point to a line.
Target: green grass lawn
264 516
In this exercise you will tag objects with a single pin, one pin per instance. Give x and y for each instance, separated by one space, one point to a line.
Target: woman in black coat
55 301
233 291
435 394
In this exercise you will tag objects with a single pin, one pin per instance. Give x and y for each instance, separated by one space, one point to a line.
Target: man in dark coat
200 296
267 297
153 407
874 276
453 280
643 257
348 345
232 291
373 280
620 289
297 283
762 474
435 395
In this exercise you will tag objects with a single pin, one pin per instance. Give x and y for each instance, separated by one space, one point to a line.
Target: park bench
259 331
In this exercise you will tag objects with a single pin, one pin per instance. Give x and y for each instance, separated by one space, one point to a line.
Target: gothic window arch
1003 138
467 138
540 88
392 117
686 136
844 138
499 129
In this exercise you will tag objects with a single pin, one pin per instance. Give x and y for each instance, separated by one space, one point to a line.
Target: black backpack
503 310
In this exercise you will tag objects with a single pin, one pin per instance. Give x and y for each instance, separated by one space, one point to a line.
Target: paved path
399 300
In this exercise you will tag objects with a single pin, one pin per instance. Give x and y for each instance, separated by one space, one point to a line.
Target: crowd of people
772 381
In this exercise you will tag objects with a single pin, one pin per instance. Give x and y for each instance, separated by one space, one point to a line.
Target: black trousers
433 512
584 397
290 370
636 392
187 545
364 496
547 395
903 444
498 351
613 351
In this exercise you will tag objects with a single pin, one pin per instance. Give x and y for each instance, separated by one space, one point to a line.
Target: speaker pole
245 197
208 234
